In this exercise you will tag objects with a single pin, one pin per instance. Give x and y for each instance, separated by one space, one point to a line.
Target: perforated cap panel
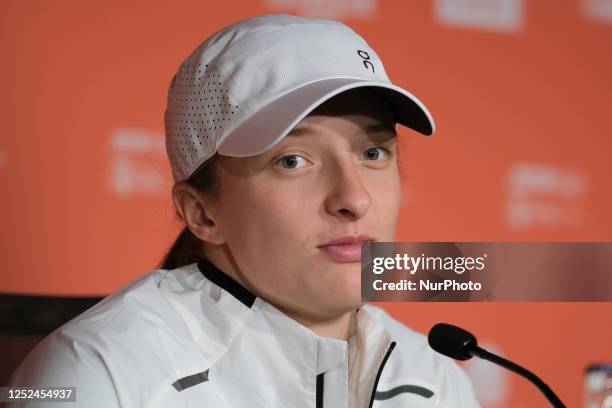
198 108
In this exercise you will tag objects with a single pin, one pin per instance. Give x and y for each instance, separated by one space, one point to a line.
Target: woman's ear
196 210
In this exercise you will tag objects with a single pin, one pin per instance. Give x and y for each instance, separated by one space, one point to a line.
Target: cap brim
269 125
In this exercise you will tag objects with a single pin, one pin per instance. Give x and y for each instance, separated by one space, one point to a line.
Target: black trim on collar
223 280
382 365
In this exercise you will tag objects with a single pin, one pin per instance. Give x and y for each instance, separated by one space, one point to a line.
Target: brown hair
187 248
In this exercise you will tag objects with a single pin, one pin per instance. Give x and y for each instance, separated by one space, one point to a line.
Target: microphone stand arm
550 395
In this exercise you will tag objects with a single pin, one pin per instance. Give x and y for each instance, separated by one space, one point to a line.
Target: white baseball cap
248 85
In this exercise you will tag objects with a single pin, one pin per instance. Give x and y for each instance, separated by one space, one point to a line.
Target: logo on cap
366 59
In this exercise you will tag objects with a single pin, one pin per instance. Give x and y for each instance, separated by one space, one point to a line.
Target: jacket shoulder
62 361
124 332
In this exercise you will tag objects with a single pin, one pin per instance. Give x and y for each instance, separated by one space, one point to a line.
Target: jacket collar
215 309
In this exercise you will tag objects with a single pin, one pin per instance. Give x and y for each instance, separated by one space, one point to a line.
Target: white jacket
191 338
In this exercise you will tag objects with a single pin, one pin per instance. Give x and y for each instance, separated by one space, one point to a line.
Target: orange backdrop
521 93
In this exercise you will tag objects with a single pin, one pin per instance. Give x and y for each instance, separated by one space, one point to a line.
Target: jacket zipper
319 390
382 365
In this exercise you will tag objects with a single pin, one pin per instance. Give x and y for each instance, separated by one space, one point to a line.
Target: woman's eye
374 153
292 161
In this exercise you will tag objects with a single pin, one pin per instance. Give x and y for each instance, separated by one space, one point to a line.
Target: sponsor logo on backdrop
544 195
598 10
326 8
491 382
137 163
496 15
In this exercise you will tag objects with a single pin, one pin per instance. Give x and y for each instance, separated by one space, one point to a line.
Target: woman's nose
348 197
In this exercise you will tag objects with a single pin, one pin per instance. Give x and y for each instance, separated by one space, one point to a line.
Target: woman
281 135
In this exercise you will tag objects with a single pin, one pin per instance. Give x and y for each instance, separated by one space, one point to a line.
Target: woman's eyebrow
380 128
303 129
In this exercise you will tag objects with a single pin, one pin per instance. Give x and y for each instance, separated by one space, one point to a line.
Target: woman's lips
343 252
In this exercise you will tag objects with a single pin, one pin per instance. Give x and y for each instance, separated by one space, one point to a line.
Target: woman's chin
348 289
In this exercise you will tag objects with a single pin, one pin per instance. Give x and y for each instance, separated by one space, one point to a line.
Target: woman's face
334 176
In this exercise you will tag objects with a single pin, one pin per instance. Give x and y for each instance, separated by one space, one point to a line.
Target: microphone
454 342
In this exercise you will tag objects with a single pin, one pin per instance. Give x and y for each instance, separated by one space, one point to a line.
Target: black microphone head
452 341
